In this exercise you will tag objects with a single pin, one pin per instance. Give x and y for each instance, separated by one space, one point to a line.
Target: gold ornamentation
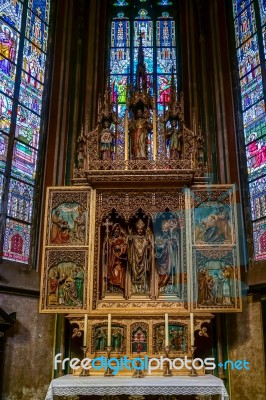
203 332
76 333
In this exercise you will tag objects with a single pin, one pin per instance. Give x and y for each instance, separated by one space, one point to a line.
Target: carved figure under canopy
139 130
117 339
140 257
176 338
167 255
100 339
116 249
106 142
176 141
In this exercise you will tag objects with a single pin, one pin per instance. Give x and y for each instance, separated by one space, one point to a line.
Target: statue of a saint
139 128
160 339
116 250
100 339
200 150
116 340
176 339
81 150
140 258
167 256
176 141
107 142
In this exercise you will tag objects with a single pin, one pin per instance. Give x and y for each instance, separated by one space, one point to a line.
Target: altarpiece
141 232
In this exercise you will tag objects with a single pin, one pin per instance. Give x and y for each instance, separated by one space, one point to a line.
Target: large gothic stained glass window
154 22
23 49
250 33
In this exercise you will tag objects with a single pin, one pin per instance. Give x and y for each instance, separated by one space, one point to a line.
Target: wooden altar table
70 385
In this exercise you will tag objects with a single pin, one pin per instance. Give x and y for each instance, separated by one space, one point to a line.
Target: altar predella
141 232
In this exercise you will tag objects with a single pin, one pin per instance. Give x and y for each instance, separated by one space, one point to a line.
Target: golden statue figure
176 141
140 255
114 256
107 142
139 129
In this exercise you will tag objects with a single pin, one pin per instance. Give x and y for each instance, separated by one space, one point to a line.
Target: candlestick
166 331
108 372
138 373
84 372
192 329
193 371
167 371
85 330
109 331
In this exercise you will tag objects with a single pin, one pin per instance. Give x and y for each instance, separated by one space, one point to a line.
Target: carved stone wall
245 342
29 349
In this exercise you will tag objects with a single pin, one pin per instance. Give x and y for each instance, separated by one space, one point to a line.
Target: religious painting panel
177 338
139 332
64 281
67 216
140 258
216 280
99 338
213 215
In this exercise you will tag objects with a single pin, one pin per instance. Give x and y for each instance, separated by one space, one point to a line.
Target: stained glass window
166 57
250 29
24 29
155 29
158 35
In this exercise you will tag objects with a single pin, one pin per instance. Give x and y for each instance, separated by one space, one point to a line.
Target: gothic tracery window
250 34
155 23
24 29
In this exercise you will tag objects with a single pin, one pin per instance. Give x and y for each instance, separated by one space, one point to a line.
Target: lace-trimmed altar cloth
70 385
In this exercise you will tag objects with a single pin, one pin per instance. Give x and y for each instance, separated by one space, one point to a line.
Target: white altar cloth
70 385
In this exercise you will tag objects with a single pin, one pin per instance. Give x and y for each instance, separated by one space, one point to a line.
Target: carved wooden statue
140 258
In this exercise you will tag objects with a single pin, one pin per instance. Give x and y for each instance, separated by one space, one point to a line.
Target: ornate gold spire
106 106
139 98
175 108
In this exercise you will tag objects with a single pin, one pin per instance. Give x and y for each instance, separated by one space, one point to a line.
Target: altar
70 385
142 249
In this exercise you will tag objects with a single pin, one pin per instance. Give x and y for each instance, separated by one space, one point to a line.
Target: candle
192 329
166 331
109 331
85 330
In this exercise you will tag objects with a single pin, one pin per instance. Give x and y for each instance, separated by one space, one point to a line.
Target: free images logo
145 363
